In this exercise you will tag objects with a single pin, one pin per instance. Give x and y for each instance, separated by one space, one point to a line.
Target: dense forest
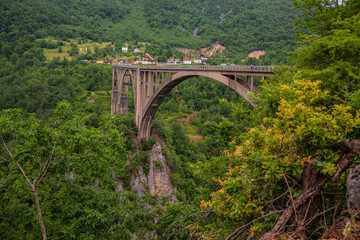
282 170
242 26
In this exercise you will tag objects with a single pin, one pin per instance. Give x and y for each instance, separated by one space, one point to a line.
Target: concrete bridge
152 83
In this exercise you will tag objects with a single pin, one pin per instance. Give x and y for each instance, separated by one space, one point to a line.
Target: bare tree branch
4 144
180 223
238 231
210 234
48 162
6 159
291 196
343 164
24 174
203 218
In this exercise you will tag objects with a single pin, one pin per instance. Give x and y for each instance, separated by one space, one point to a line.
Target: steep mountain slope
242 26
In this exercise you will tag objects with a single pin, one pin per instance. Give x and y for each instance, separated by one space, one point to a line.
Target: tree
289 146
62 154
74 50
307 138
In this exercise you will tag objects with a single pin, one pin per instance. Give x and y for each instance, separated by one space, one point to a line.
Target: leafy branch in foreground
58 161
306 142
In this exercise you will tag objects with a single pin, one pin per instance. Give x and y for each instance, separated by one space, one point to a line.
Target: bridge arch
121 85
240 86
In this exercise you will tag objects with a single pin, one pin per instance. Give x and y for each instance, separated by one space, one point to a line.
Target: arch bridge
152 83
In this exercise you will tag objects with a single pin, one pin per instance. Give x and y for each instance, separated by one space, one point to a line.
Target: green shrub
158 165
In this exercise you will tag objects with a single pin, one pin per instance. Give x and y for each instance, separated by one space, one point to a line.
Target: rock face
157 181
139 182
257 54
119 184
195 32
159 174
212 49
353 192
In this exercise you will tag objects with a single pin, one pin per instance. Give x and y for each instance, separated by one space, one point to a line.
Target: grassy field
191 130
53 53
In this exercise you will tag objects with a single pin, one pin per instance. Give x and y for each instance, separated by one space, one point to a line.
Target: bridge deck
234 69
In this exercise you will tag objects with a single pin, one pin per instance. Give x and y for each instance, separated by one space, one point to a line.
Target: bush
158 165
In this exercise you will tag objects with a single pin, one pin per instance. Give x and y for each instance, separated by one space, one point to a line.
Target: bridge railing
203 67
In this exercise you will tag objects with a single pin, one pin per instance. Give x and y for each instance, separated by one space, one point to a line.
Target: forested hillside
215 167
242 26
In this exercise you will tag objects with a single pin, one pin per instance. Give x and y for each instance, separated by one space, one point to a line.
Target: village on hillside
147 59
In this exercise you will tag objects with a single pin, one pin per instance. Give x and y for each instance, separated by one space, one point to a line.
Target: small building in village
187 60
197 60
136 50
204 58
172 60
146 59
124 49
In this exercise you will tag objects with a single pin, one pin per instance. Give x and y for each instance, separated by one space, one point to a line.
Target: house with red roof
187 60
147 58
172 60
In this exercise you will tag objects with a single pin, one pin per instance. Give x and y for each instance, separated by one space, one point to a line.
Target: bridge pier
151 84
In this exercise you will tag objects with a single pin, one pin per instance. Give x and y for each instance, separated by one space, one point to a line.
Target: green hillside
215 167
242 26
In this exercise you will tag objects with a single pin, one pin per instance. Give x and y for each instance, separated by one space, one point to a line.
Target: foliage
301 132
77 192
241 26
158 165
305 114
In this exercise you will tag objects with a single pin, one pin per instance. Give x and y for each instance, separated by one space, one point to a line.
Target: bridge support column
137 97
124 93
252 83
115 91
150 88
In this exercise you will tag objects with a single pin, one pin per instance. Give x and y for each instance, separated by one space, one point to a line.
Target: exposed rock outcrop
214 48
159 174
139 182
256 54
353 192
196 29
119 184
224 15
157 181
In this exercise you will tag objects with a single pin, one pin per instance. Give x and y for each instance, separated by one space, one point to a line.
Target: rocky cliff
157 181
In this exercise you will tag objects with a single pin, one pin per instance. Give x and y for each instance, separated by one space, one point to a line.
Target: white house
136 50
124 49
197 60
187 60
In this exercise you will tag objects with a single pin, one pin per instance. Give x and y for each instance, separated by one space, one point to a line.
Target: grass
50 54
191 130
53 53
195 138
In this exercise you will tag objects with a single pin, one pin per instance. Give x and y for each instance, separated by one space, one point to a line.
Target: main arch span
151 84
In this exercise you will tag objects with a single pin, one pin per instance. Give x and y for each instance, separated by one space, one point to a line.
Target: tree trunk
349 149
289 211
38 210
309 179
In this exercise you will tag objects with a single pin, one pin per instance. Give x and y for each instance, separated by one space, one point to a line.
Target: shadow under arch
124 82
239 85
